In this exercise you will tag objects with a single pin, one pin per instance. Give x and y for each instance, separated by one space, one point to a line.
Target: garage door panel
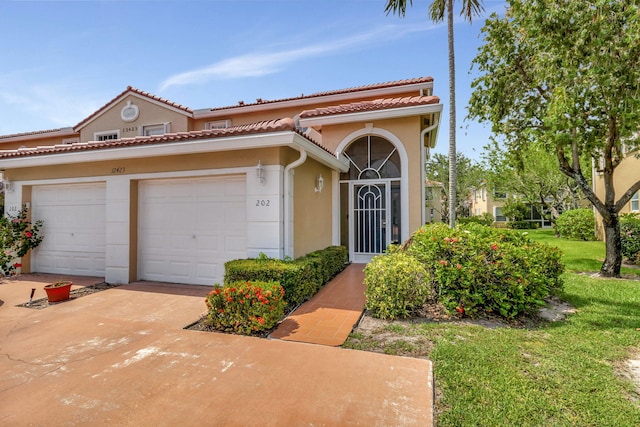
74 228
197 216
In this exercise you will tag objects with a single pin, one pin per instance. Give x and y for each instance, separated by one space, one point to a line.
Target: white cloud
259 63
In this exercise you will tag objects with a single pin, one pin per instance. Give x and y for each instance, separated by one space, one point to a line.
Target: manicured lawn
565 373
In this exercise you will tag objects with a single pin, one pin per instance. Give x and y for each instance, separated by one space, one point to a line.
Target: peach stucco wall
150 114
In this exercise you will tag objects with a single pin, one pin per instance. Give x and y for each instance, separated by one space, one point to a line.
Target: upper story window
159 129
634 203
106 135
217 124
497 194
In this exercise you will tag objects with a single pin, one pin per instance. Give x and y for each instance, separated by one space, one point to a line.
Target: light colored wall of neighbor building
627 173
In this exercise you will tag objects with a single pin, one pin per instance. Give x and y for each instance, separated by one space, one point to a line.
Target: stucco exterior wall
149 114
312 209
626 174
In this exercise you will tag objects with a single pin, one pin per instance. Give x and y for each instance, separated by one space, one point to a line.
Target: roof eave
361 116
196 146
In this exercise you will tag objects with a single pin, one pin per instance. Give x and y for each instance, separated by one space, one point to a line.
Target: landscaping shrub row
257 291
472 269
301 278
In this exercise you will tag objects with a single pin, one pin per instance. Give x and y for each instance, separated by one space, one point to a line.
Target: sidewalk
329 317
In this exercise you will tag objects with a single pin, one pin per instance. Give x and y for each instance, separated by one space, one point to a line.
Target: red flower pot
58 291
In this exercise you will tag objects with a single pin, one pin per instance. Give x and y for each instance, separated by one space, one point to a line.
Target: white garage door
188 228
74 229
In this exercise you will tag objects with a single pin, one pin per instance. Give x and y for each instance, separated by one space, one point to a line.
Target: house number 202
263 203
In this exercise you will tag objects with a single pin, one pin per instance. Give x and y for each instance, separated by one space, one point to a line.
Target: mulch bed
41 303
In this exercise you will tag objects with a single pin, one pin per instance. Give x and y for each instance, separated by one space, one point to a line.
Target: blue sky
62 60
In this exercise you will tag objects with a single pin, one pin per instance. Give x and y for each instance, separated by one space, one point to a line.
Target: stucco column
118 225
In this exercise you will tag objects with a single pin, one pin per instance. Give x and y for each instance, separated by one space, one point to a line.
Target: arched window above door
372 157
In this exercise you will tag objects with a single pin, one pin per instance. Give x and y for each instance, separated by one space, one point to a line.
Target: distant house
147 189
486 200
433 193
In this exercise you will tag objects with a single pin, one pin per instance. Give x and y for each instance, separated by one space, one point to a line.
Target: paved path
329 317
121 357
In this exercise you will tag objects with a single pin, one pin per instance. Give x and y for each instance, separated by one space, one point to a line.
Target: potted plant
58 291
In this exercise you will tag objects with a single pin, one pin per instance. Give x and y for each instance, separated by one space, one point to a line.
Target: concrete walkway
329 317
121 357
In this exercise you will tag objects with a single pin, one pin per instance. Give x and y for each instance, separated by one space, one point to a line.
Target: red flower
460 309
494 247
459 266
28 234
443 262
261 320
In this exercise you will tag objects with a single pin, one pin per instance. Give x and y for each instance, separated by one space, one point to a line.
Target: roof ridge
393 83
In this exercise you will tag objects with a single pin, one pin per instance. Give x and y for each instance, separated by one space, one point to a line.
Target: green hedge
522 225
301 278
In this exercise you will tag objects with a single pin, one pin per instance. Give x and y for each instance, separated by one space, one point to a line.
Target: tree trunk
453 202
613 258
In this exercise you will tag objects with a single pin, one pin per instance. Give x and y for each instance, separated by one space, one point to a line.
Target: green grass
563 373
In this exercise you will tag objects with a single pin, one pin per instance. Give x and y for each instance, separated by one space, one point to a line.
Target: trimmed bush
578 224
522 225
630 237
245 307
395 286
300 278
477 269
484 219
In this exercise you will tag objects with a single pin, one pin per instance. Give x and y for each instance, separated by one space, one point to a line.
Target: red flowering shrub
18 236
245 307
484 269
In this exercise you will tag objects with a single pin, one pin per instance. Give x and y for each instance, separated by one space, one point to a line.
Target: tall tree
566 74
437 10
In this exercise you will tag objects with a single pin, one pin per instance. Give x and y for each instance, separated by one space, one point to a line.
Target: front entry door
370 219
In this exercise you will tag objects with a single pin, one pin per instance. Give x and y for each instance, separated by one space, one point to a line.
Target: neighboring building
483 200
433 193
627 173
146 189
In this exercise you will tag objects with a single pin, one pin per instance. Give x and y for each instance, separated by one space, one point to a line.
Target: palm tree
470 8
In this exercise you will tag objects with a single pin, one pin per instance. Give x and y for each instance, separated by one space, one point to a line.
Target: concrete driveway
121 357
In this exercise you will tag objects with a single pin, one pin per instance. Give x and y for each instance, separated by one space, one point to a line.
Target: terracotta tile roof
35 133
395 83
377 104
267 126
139 92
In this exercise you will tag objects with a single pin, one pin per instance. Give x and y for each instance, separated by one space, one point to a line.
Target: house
147 189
